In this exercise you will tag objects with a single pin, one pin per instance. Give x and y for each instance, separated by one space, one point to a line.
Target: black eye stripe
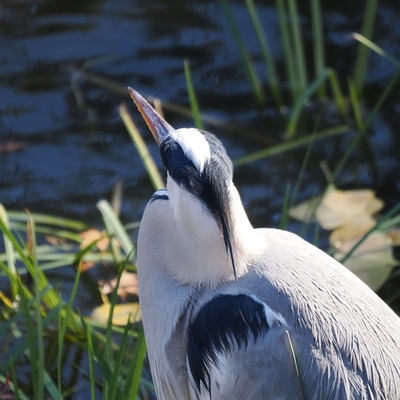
210 186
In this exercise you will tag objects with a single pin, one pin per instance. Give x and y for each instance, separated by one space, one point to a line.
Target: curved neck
200 254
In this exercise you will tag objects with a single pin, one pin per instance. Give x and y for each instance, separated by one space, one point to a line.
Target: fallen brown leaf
127 285
394 236
338 207
94 235
55 240
354 229
372 261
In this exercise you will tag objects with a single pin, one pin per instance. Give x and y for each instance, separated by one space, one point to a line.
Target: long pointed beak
157 125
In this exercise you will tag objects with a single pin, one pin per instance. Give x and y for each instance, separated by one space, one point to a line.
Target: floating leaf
122 314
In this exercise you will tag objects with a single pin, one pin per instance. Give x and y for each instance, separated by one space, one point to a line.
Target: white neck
198 249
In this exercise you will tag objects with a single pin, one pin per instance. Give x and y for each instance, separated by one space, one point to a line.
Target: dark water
73 153
73 156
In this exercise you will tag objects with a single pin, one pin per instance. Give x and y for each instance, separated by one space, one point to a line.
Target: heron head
197 163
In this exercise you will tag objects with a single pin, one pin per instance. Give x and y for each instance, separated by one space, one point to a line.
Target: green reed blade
270 66
9 251
142 149
290 67
293 144
298 45
194 105
250 70
318 42
367 28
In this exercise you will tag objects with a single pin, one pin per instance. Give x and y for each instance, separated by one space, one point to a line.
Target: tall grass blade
337 93
286 146
135 370
194 105
250 70
392 82
51 298
298 45
65 316
311 90
108 383
92 377
118 364
393 211
38 356
287 48
355 103
99 354
367 28
342 162
46 219
296 367
36 369
142 149
270 67
365 41
382 98
304 164
51 387
285 209
116 228
10 254
318 42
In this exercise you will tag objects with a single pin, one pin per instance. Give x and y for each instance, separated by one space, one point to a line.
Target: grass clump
40 330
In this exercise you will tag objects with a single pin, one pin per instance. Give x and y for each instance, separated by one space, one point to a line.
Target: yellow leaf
93 235
305 211
123 313
376 241
340 206
6 300
337 207
373 268
354 229
394 236
127 285
372 261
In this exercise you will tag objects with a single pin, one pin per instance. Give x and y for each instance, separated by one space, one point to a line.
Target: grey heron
233 312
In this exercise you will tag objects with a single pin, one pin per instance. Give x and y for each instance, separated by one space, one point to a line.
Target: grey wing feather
345 340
